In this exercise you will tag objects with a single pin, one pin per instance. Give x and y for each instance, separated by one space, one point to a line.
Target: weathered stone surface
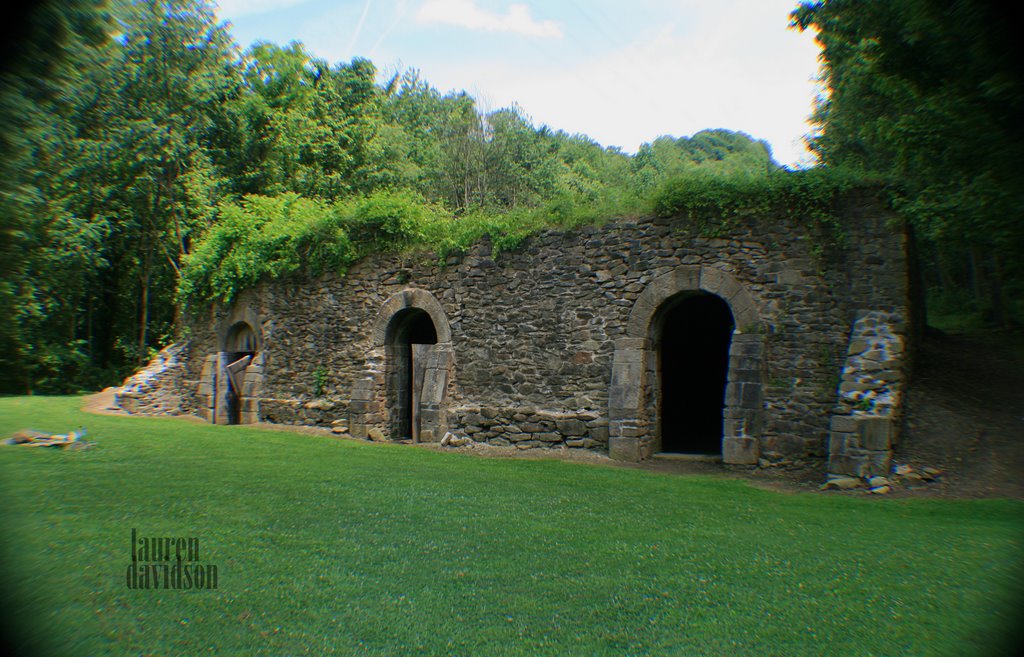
842 483
740 450
554 342
870 396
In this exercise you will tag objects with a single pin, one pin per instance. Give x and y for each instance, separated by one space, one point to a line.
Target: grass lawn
325 546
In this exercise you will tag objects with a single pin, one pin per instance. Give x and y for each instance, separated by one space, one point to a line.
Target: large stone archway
408 371
633 401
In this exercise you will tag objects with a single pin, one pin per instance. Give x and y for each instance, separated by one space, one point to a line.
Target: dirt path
964 415
101 403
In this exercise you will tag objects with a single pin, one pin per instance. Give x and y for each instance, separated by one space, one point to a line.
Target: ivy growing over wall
716 204
287 235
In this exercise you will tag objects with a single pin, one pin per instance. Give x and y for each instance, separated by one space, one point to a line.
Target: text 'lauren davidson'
164 562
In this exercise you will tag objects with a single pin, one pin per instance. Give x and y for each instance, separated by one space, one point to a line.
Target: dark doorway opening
240 349
693 367
408 333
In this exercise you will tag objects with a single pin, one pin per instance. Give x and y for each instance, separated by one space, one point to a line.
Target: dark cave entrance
239 350
694 334
410 337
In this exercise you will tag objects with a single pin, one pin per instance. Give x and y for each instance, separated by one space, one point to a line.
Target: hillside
965 413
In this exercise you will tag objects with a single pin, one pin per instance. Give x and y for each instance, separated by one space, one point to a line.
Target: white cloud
239 8
728 75
465 13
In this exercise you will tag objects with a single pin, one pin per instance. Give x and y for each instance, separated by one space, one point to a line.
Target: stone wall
554 343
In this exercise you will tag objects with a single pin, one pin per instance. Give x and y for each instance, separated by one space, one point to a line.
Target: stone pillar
251 389
366 410
626 424
865 423
744 400
206 394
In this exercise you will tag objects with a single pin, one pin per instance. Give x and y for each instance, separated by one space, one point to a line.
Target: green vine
716 205
277 237
319 381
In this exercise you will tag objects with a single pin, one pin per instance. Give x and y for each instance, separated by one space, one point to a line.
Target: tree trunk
977 274
1000 315
144 304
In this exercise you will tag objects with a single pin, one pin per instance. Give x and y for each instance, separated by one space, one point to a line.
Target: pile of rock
154 390
451 440
30 438
902 476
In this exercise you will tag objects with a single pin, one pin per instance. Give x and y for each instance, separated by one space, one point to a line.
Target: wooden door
420 356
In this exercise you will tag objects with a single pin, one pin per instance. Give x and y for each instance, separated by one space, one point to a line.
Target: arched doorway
693 332
635 390
239 350
410 340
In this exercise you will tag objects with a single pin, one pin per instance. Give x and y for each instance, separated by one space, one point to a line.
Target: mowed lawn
326 546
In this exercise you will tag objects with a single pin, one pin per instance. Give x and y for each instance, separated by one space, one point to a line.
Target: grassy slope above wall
288 235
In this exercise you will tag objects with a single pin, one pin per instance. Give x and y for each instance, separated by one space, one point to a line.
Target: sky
623 72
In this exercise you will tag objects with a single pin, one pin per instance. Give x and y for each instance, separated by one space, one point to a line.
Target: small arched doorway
693 332
239 350
410 338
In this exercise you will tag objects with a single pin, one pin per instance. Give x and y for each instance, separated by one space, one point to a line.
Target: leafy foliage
264 236
716 201
929 94
153 164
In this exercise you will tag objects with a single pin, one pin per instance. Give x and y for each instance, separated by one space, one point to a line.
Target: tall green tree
46 251
928 93
174 68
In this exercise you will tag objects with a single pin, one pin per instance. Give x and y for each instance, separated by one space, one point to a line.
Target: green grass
326 546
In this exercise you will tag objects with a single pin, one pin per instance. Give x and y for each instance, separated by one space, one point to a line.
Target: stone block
571 427
747 344
623 400
734 427
878 463
733 394
624 448
630 344
745 375
860 463
876 433
359 406
739 450
844 423
686 278
839 442
745 395
847 464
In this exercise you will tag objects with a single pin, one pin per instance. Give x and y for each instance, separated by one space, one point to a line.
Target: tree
718 151
173 70
46 252
928 93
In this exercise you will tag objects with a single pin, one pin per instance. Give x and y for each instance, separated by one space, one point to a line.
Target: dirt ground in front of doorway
964 416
